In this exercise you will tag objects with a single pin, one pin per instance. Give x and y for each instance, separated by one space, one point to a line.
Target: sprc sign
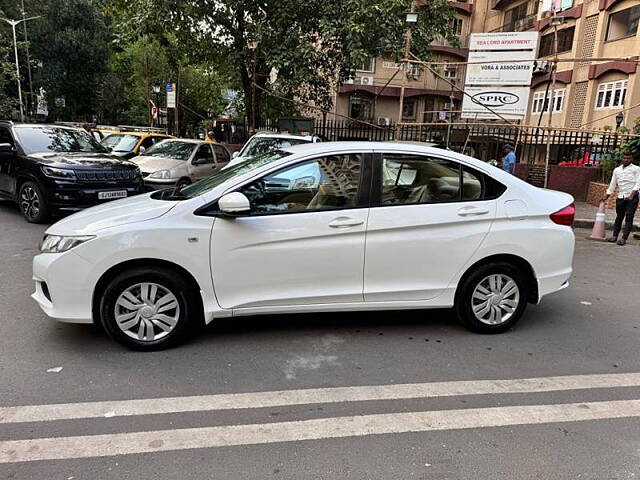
510 102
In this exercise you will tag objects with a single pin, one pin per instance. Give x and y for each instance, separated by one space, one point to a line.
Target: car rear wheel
492 298
149 309
33 203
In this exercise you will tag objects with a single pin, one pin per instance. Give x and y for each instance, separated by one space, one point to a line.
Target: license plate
112 195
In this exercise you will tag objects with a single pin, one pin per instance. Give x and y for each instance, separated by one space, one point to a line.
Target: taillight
564 216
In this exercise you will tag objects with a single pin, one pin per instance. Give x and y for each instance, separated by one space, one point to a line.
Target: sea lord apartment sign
499 75
504 41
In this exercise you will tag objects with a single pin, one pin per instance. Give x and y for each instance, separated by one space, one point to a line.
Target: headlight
164 174
59 173
59 244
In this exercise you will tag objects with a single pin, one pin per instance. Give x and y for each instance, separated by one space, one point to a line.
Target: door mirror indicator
234 204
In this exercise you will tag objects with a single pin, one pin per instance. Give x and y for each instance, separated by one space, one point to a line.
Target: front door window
325 183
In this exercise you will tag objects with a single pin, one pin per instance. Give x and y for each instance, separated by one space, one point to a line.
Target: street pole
31 102
554 67
407 53
13 24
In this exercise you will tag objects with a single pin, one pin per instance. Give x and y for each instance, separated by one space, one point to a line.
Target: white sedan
347 226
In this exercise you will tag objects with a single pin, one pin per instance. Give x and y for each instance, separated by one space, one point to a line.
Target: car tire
150 309
33 203
492 298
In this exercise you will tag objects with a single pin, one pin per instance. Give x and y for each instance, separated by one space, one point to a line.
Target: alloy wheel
30 202
147 311
495 299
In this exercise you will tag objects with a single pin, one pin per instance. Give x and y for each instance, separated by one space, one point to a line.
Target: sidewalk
586 216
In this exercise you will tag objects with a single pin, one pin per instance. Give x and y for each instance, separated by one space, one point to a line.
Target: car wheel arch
518 262
121 267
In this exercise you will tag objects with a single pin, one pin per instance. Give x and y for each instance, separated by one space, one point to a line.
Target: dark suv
53 168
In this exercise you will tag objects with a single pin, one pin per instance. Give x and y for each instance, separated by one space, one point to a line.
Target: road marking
234 401
325 428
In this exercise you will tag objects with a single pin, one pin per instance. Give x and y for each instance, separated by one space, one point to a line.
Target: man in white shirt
626 178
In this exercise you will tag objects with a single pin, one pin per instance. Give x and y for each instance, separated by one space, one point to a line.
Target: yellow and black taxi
129 143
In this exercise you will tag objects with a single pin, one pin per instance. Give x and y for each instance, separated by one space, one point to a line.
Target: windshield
171 149
34 139
222 176
261 145
120 143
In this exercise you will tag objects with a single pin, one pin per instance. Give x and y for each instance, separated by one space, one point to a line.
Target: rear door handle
345 222
470 211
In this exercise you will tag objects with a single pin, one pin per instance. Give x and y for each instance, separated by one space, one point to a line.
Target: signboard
503 41
510 102
171 95
491 73
42 107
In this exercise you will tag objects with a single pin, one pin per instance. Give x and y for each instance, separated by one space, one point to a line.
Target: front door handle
345 222
470 211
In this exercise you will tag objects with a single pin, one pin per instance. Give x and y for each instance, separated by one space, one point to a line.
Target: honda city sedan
320 227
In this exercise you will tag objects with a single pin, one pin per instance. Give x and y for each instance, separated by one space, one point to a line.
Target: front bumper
63 289
151 184
72 197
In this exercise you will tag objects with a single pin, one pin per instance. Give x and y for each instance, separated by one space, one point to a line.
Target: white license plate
112 195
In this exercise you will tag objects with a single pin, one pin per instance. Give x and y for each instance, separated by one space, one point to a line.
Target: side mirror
235 154
234 204
141 150
7 149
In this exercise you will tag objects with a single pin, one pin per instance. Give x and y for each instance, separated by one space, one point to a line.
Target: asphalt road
578 427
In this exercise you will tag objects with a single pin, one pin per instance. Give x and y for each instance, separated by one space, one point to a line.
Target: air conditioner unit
366 80
541 67
386 121
349 81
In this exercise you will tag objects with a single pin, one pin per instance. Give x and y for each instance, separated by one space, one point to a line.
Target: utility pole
555 21
411 19
31 101
13 24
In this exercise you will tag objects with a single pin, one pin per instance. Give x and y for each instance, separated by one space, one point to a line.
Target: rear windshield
260 145
120 143
50 138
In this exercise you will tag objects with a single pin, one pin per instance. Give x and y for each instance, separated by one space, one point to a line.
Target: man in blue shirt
509 159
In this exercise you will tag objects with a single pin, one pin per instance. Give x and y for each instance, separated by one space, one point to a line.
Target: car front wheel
33 203
493 298
149 309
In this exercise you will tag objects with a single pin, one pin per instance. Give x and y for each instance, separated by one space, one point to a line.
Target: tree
73 43
8 100
311 44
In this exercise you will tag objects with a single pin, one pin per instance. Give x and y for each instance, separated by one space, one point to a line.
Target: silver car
180 162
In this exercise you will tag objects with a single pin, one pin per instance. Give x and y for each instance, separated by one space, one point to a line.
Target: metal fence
484 141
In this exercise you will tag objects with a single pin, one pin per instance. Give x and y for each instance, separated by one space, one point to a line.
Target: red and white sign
503 41
154 111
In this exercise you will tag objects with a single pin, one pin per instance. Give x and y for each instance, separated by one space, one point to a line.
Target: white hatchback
341 226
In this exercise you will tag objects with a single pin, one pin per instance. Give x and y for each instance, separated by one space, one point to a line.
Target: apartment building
585 92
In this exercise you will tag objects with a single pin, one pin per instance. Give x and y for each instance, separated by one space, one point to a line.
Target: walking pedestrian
509 159
626 178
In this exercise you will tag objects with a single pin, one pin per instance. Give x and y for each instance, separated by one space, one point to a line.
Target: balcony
444 46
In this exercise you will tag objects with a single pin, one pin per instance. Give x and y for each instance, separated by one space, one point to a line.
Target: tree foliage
312 45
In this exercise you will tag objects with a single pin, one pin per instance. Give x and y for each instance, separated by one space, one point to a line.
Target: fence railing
484 141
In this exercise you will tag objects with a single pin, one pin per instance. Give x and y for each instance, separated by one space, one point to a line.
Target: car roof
283 135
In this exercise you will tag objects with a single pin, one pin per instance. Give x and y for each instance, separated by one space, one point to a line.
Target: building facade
588 94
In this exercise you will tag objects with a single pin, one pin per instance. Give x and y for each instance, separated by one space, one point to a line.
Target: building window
361 107
565 42
451 71
611 94
623 24
457 26
367 66
512 15
541 104
409 109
